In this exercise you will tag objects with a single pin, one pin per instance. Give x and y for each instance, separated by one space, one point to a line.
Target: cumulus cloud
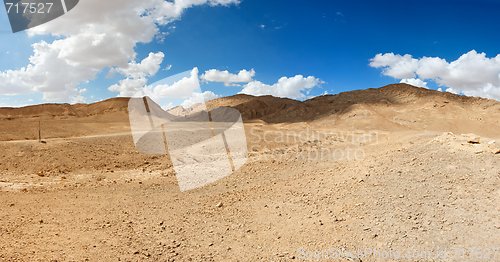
472 74
199 98
185 88
179 87
294 87
182 89
396 66
149 66
414 82
94 36
214 75
136 74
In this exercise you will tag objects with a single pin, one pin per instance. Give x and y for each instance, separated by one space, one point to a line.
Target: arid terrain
408 173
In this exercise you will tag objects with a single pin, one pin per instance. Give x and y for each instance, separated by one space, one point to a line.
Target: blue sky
330 40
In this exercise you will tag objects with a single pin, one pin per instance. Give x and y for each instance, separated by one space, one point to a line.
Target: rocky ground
429 192
310 191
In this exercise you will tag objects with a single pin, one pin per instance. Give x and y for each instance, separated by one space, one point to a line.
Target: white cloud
95 35
396 66
414 82
136 74
199 98
214 75
181 89
80 97
129 86
149 66
293 87
472 74
451 90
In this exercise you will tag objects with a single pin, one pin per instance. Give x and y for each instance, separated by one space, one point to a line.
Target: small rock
219 205
474 140
338 219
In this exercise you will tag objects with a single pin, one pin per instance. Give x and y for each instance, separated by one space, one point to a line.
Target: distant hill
76 110
393 107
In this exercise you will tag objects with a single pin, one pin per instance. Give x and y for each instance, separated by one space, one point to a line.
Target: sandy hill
402 107
252 107
64 120
274 109
65 110
393 107
396 95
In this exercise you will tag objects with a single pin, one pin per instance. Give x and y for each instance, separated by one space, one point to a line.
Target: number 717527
31 8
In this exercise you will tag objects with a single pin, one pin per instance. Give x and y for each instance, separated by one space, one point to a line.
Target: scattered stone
474 140
336 219
219 205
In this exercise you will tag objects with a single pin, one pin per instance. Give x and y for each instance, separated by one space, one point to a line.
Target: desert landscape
397 173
